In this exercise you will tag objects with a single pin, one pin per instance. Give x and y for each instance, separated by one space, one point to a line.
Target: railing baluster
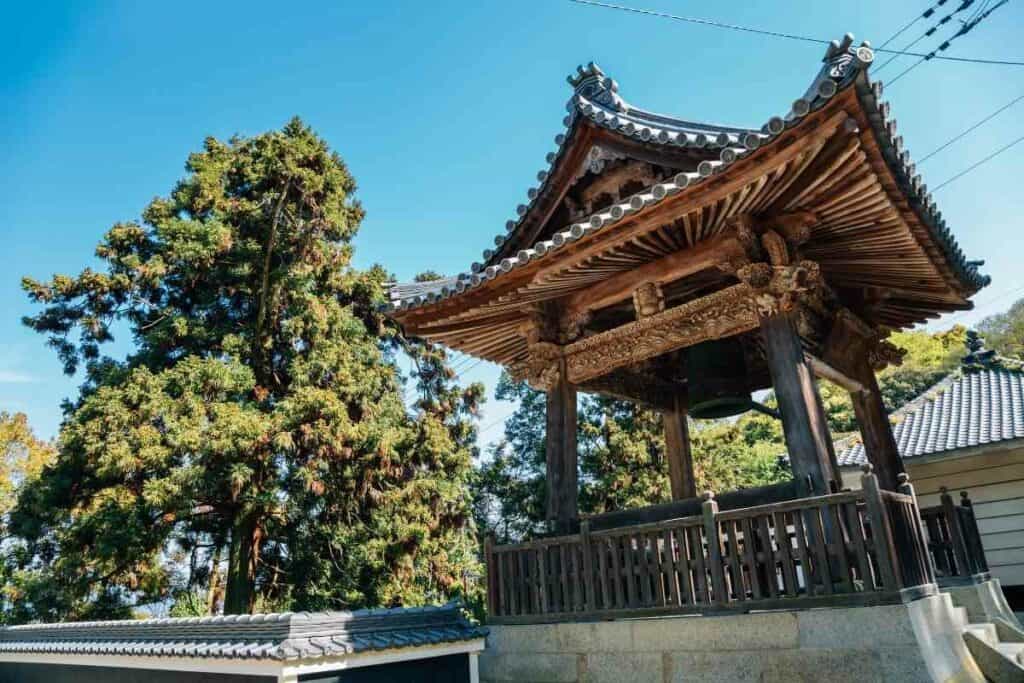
644 568
682 579
750 552
588 583
924 564
790 584
617 571
881 531
513 580
713 538
842 548
857 537
769 567
671 572
542 578
696 544
802 553
956 536
523 583
739 590
979 564
630 573
817 529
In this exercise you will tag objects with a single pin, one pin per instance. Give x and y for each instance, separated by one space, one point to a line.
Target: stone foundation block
715 667
620 667
529 668
765 631
859 627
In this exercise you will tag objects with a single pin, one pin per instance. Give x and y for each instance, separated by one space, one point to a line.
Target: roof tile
964 410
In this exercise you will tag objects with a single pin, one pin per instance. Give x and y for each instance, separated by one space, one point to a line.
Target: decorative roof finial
978 358
590 82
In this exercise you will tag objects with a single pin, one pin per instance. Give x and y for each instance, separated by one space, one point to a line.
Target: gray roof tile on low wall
300 635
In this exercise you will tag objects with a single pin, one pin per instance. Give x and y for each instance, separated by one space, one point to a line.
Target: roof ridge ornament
842 62
591 83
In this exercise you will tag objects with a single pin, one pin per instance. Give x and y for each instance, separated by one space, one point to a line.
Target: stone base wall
984 601
918 641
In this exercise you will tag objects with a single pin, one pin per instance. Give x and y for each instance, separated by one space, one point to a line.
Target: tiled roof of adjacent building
286 636
965 409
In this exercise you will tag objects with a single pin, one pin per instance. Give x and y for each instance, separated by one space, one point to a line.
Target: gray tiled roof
966 409
596 100
286 636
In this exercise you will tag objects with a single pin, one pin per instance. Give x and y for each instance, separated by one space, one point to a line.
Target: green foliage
621 446
509 487
258 432
621 457
930 357
1004 332
22 458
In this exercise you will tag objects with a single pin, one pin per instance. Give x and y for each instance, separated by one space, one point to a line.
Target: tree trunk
214 589
240 593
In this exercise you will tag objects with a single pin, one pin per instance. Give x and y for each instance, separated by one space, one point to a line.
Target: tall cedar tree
260 419
622 448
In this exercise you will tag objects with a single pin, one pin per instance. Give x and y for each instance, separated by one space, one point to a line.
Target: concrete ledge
916 642
984 601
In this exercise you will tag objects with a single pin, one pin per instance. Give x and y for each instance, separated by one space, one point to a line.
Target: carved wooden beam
724 313
636 387
680 264
825 371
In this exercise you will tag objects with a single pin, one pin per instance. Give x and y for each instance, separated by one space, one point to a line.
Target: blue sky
444 112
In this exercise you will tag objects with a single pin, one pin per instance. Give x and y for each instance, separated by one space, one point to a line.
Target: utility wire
1002 295
963 31
964 4
467 369
924 15
985 120
777 34
976 164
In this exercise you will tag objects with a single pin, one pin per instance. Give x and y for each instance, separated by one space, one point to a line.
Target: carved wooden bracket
795 227
852 341
776 248
541 368
885 353
777 289
648 300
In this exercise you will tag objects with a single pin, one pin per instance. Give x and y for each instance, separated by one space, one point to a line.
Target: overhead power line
964 4
778 34
976 164
467 369
977 125
924 15
964 30
988 304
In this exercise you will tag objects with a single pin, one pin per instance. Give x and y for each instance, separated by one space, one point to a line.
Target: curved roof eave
595 99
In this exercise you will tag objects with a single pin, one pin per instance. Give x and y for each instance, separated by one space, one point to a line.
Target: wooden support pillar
803 418
677 451
561 453
875 430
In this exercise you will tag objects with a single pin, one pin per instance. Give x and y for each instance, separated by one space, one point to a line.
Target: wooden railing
853 547
954 540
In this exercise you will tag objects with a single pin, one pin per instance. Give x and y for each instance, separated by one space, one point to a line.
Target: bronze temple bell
717 381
